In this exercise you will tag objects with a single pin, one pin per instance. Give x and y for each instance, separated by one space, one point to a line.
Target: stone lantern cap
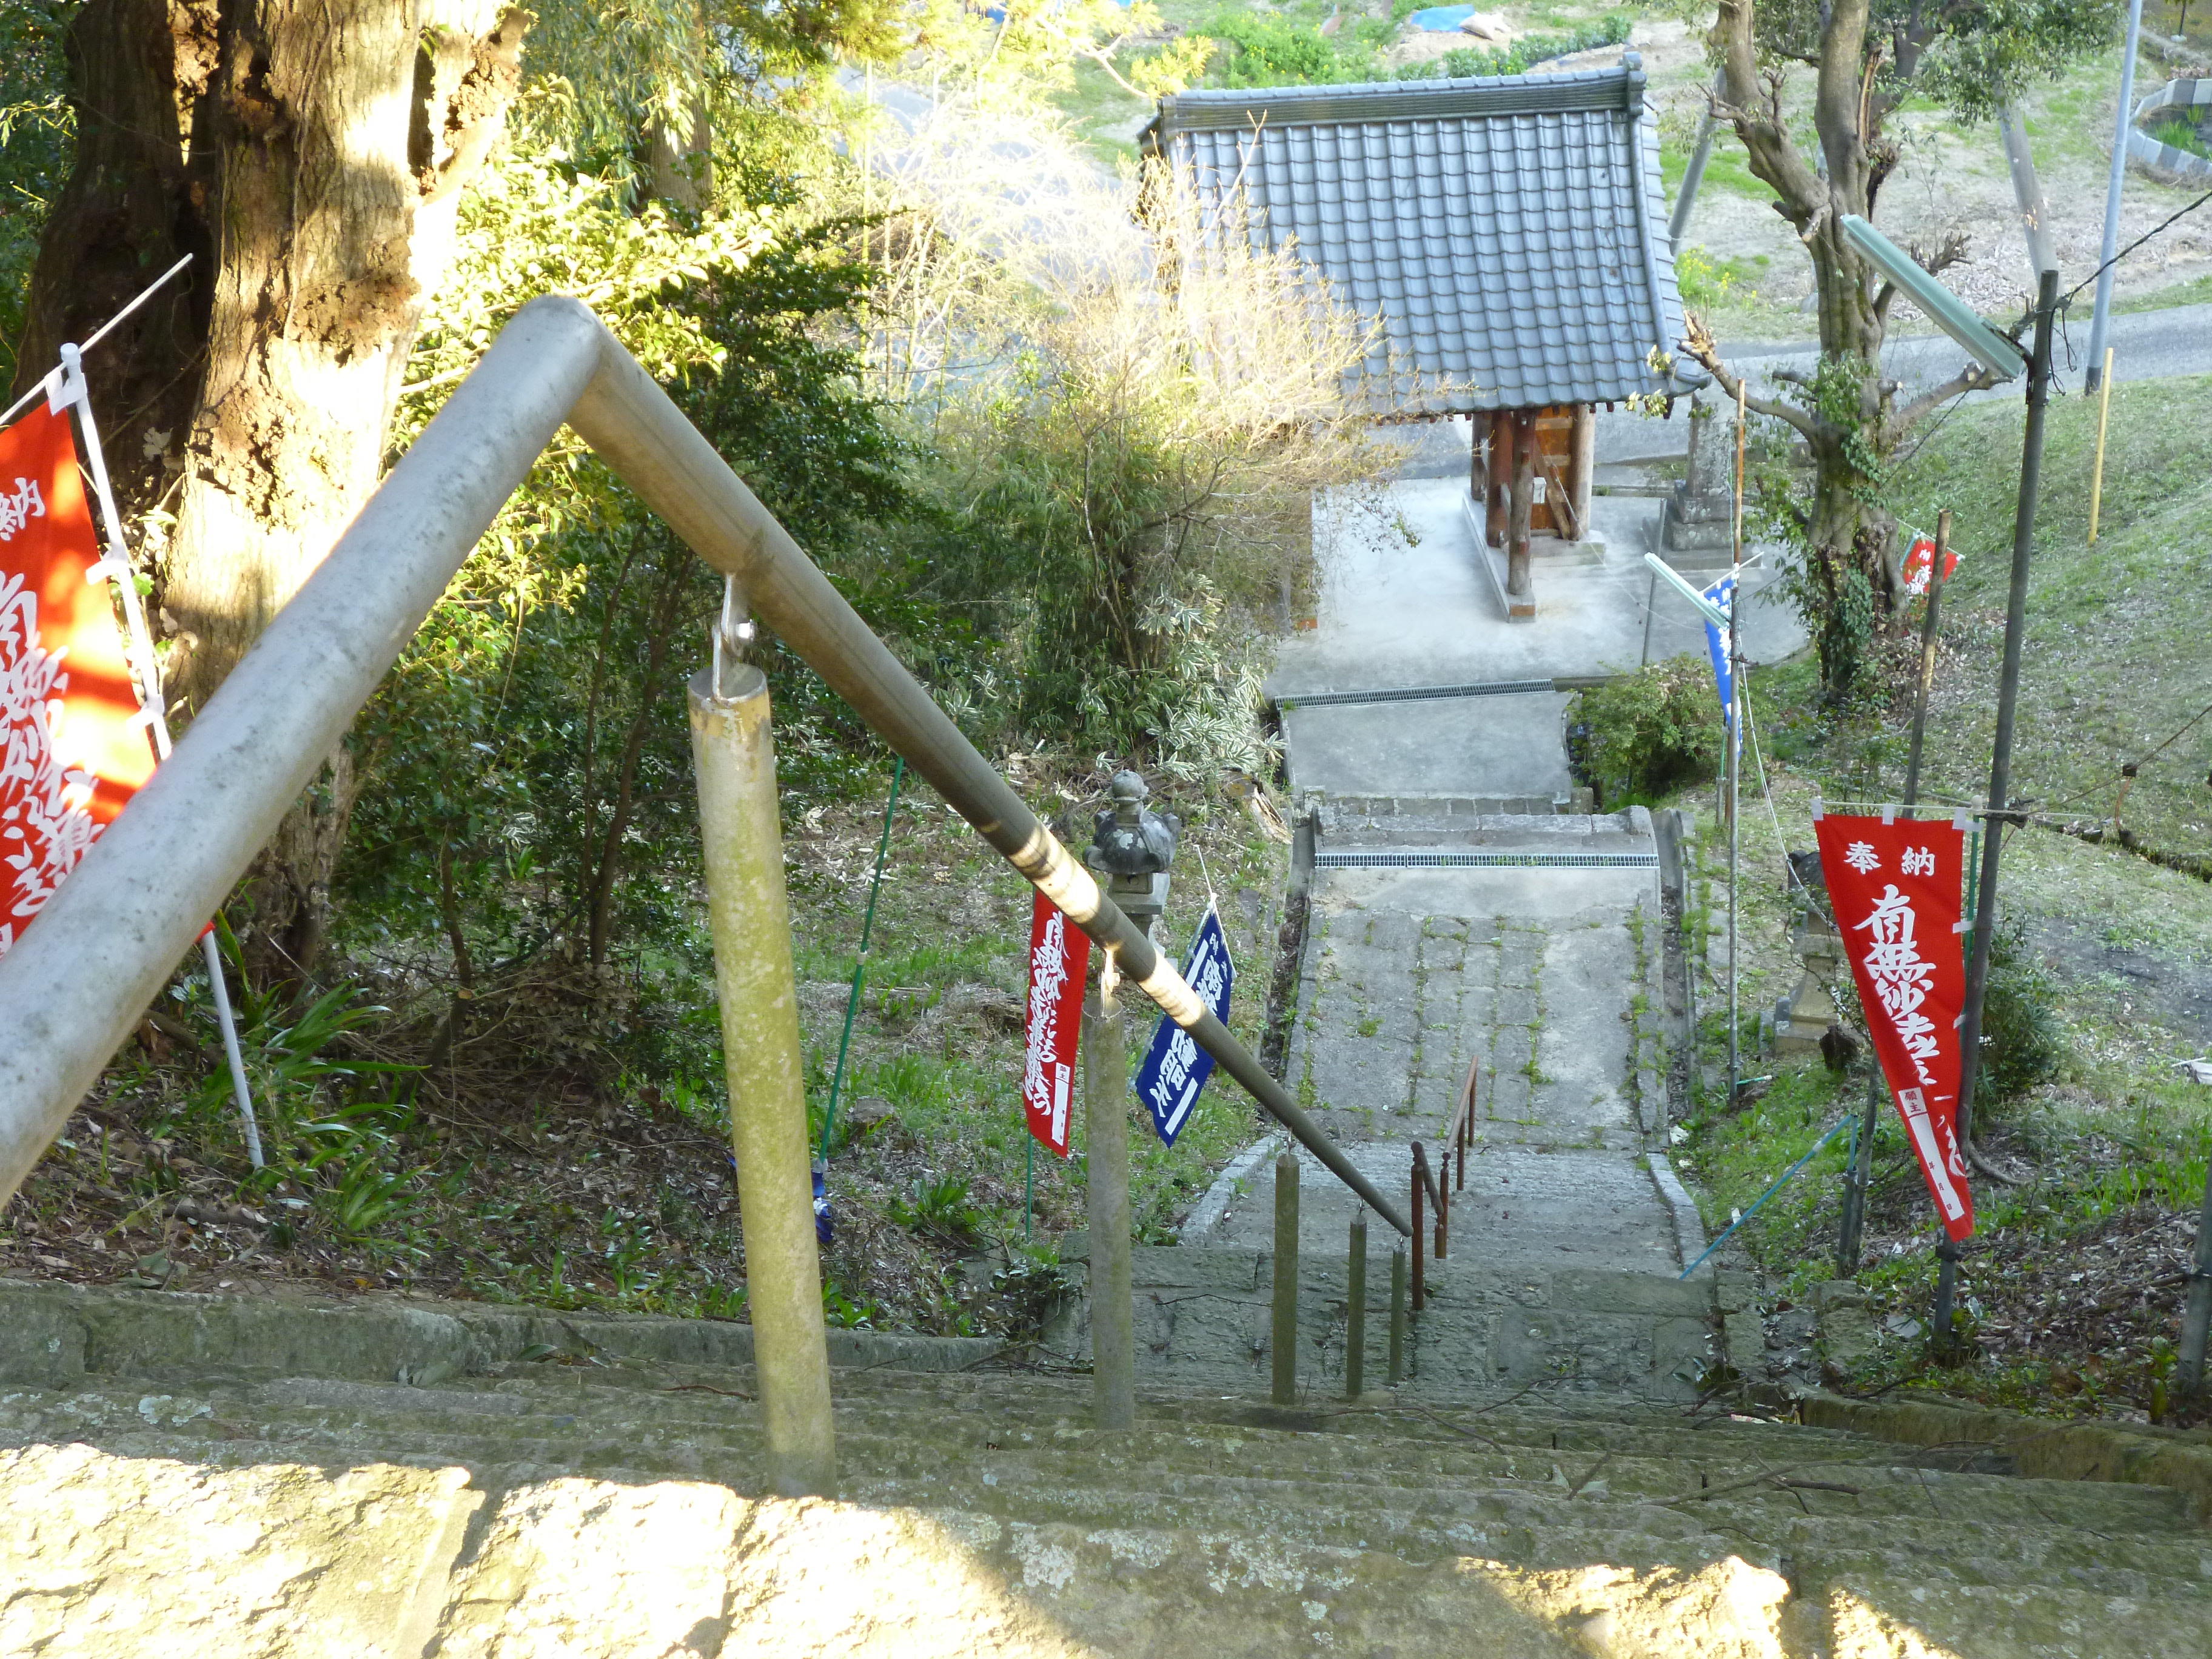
1130 841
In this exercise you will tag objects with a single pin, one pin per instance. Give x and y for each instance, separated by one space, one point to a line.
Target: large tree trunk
312 157
1844 415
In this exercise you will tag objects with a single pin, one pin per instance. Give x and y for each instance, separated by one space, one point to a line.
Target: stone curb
2043 1450
53 1334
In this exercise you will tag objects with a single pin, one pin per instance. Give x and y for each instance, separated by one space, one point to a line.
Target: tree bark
312 157
1844 416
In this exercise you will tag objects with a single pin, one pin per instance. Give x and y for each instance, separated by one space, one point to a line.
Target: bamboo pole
2103 414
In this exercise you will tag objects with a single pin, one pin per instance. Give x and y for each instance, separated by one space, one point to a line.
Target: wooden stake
2104 413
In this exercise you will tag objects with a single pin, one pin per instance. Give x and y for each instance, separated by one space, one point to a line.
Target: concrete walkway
1542 980
1403 604
1463 921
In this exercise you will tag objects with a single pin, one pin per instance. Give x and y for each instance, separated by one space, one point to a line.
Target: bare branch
1699 343
1972 378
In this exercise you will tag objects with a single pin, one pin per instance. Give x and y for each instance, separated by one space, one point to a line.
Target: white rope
1789 870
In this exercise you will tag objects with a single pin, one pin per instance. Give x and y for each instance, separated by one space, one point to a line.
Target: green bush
2183 134
1647 733
1273 51
2022 1042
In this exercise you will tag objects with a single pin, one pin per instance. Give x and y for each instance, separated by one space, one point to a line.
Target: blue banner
1175 1069
1722 593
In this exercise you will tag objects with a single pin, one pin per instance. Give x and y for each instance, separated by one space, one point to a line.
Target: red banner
1896 888
1060 958
1920 564
73 745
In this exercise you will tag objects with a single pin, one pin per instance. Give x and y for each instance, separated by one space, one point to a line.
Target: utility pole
1686 197
1985 906
2112 242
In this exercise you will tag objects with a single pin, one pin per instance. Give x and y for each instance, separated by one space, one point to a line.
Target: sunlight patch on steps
122 1557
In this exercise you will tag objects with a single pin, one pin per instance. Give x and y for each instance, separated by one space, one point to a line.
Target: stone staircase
465 1480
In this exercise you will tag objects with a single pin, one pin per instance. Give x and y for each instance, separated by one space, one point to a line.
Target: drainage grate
1416 694
1450 858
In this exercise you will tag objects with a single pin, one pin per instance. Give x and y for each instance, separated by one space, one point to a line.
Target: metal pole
2198 1320
1855 1189
1852 1232
2100 367
1735 740
2027 189
1929 624
1106 1158
1285 1336
1355 1311
749 917
2103 415
1420 1168
1397 1372
1694 175
146 667
2023 544
78 981
228 1025
1946 1292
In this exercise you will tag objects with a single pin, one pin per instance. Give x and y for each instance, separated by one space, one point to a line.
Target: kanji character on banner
1175 1069
1919 564
73 742
1059 956
1896 890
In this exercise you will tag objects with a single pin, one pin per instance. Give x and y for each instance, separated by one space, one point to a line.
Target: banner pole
146 668
2016 637
1734 739
96 337
1855 1192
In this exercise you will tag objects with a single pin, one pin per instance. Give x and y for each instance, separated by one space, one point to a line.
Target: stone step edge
52 1332
2042 1448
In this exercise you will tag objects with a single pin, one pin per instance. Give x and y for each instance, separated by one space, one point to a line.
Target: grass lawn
2072 1288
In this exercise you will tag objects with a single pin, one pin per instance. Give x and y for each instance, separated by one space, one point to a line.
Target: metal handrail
78 979
1460 1132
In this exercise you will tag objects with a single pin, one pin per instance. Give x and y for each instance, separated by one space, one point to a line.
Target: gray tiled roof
1511 229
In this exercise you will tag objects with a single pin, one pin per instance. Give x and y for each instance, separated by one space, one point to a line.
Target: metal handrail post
1355 1310
749 917
1397 1356
1106 1184
1420 1180
80 977
1284 1332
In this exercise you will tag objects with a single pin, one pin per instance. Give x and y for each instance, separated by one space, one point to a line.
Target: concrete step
915 1458
627 1564
1532 1526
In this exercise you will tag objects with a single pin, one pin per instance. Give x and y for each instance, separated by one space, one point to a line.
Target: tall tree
310 157
1866 57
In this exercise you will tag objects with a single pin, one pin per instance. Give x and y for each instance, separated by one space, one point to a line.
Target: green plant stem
860 967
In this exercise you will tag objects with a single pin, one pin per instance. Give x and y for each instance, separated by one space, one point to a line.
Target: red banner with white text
1060 958
1896 888
73 744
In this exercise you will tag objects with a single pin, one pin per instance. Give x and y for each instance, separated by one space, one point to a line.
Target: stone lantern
1132 848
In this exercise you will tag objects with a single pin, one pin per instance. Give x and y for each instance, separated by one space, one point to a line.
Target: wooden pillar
1581 458
1520 586
1500 485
